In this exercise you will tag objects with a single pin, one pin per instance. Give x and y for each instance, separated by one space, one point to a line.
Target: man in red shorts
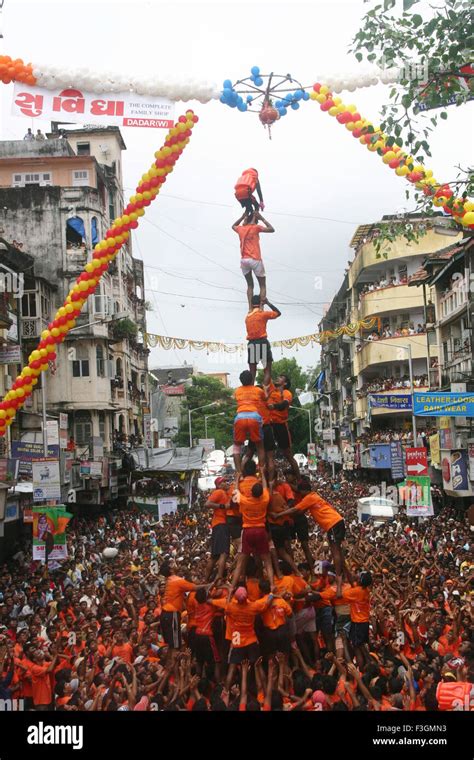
255 542
248 422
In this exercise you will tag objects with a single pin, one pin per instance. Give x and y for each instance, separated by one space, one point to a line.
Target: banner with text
443 404
124 109
398 401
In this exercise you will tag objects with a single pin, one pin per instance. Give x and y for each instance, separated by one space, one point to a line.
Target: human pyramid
260 512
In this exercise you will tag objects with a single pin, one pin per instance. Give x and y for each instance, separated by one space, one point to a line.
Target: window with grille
100 361
80 366
83 433
80 177
28 305
83 149
40 178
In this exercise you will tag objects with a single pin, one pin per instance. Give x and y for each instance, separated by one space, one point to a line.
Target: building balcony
398 298
368 256
388 351
32 327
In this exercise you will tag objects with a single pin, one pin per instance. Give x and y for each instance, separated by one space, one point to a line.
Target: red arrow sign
416 461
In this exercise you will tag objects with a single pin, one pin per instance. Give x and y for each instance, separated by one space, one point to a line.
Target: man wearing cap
240 616
220 531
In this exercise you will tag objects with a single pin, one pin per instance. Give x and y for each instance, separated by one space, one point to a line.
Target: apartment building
57 199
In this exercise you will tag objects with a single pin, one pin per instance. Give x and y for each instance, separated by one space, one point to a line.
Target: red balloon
356 132
316 87
195 119
36 364
134 225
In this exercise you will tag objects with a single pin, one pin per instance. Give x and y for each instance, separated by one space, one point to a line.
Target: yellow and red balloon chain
403 164
104 252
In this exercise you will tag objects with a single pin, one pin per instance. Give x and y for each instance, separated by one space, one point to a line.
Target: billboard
49 530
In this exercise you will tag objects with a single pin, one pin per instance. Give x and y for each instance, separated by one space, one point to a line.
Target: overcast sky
311 170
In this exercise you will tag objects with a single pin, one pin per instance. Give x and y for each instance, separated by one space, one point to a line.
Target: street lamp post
190 412
206 416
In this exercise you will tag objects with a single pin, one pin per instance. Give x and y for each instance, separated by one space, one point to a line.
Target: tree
297 420
208 390
432 53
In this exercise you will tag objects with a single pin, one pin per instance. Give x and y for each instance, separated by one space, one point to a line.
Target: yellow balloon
352 108
55 333
402 171
337 101
324 89
469 206
44 367
34 381
45 334
141 212
10 412
389 156
83 285
34 356
43 352
89 267
350 126
20 392
3 414
468 218
50 348
333 111
27 372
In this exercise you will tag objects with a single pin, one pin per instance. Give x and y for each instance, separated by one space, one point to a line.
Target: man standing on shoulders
259 349
248 229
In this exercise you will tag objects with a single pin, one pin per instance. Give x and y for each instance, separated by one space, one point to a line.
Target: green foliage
124 328
438 42
207 390
297 420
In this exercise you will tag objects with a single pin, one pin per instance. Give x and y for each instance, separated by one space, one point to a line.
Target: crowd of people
163 626
390 281
382 384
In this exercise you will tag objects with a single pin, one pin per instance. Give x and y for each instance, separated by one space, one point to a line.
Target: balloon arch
273 95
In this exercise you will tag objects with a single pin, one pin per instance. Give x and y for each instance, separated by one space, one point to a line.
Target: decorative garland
169 343
55 77
104 252
403 164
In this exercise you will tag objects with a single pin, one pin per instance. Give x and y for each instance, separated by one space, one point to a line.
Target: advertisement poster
49 527
46 480
435 449
454 467
122 109
52 433
312 462
379 456
415 493
396 401
396 460
443 404
27 452
167 506
470 454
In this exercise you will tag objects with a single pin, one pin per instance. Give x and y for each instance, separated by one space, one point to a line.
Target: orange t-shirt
359 600
254 509
246 484
241 617
277 504
124 651
275 616
256 323
284 490
204 615
253 589
40 684
249 398
285 583
249 236
191 605
299 584
321 512
175 589
321 584
276 396
219 513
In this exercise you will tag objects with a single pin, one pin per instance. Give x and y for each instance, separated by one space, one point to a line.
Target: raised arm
272 307
239 220
269 227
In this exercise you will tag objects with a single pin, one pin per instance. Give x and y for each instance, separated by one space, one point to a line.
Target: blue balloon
227 84
306 96
295 106
255 71
258 81
223 99
288 98
299 94
283 111
249 99
242 106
